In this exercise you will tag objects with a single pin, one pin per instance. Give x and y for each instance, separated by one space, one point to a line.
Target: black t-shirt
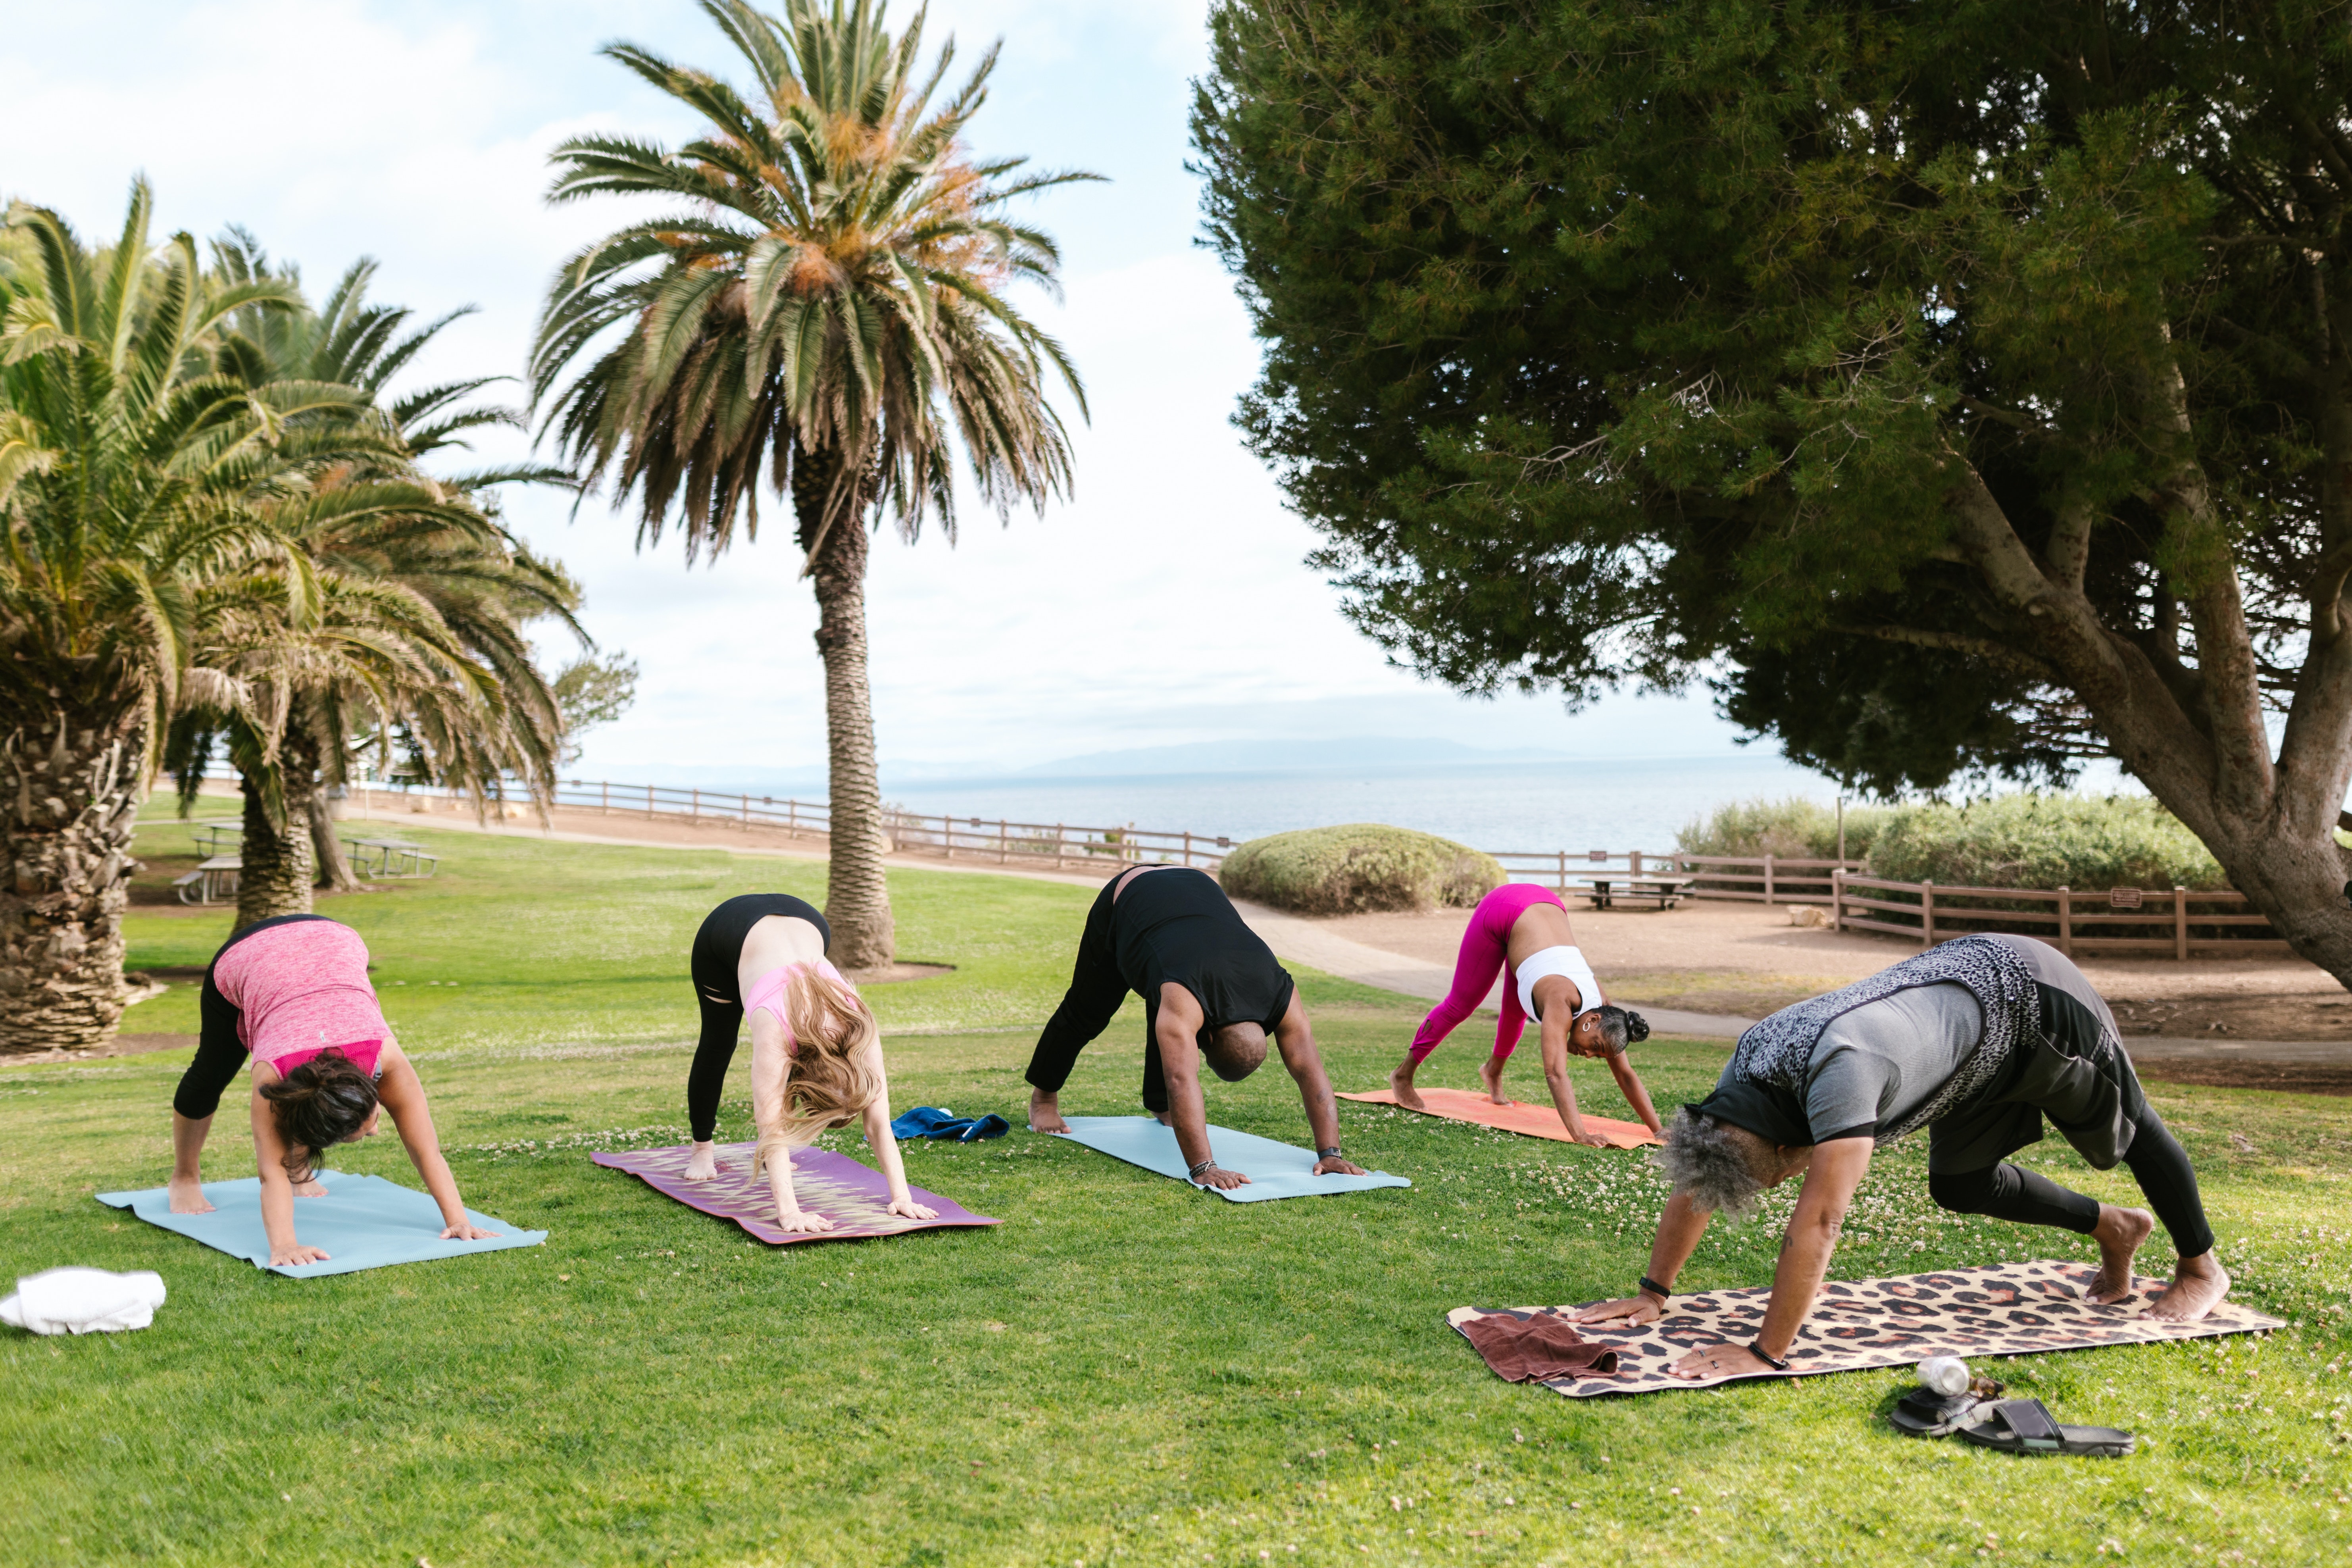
1177 927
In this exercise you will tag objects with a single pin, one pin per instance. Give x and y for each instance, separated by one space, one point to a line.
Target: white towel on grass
83 1301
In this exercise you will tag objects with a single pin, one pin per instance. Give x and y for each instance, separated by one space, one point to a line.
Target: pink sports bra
767 992
367 1054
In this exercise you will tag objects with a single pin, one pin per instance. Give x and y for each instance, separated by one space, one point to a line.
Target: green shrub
2089 844
1797 828
1364 866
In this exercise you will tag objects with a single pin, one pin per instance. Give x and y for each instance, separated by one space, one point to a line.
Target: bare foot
188 1196
2197 1286
702 1165
1401 1085
1490 1073
1046 1113
310 1190
2120 1233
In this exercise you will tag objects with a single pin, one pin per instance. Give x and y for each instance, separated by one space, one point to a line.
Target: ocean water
1538 807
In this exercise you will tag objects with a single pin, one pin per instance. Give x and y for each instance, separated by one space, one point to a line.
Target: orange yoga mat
1535 1121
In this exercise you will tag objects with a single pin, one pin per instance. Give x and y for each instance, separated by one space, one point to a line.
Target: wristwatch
1330 1153
1756 1348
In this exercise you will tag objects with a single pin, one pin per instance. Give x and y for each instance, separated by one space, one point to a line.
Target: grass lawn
1125 1371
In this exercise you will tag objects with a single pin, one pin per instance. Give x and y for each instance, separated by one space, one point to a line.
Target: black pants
220 1051
2157 1162
718 954
1097 991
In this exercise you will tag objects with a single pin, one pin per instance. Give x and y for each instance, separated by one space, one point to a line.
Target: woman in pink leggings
1521 931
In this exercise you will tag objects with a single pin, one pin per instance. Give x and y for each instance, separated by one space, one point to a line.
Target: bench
385 859
212 882
211 837
1665 891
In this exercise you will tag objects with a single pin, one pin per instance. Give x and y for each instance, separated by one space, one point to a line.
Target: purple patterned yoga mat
854 1196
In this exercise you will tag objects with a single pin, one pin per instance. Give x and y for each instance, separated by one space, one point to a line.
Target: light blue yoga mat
1274 1170
363 1222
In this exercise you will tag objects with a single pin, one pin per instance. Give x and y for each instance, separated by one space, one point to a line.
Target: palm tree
135 481
408 631
826 307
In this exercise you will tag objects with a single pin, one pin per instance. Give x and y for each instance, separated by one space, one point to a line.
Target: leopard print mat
2008 1309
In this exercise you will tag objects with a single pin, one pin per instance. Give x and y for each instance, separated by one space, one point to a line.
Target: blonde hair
836 1072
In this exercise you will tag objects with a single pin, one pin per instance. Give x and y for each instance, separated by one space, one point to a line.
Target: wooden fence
2175 921
947 835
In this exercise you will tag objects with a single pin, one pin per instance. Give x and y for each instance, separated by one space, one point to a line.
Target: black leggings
220 1051
718 952
2158 1163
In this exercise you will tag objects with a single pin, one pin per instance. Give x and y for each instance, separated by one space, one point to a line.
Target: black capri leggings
718 952
2158 1163
220 1051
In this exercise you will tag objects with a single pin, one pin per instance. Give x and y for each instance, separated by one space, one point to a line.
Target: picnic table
213 881
379 859
1604 891
217 837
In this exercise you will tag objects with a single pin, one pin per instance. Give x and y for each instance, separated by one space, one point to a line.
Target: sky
1168 602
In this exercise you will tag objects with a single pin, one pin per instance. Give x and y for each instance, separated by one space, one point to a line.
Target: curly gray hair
1713 1163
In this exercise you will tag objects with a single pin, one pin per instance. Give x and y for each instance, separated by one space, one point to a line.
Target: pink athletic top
767 992
301 989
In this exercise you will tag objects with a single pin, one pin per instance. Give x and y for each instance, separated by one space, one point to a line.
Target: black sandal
1923 1413
2024 1426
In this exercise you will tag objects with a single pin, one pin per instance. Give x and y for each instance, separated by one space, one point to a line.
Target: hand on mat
908 1208
1632 1311
1224 1181
468 1233
703 1165
289 1257
802 1222
1333 1166
1718 1361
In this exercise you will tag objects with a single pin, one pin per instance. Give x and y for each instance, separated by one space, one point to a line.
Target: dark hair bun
318 1105
1637 1028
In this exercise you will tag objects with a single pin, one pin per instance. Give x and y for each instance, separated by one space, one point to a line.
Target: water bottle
1947 1374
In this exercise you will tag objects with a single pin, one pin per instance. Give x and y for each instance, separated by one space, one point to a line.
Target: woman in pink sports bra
816 1051
291 997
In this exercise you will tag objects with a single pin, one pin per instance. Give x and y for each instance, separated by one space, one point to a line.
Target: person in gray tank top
1976 1041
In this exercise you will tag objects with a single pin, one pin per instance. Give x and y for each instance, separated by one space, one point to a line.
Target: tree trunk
277 859
327 850
856 896
70 789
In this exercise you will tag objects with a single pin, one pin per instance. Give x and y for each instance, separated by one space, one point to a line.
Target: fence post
1767 880
1004 843
2179 923
1837 899
606 805
1188 847
694 803
1559 883
747 811
1927 914
792 816
1061 835
649 803
1637 862
2065 920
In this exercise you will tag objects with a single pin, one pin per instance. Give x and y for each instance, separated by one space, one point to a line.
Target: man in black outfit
1211 990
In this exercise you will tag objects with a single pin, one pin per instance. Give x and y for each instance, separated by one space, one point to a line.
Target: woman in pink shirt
291 996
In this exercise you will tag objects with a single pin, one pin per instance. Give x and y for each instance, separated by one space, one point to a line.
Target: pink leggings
1486 952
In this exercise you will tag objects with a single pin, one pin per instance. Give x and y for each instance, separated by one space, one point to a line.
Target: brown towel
1539 1348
